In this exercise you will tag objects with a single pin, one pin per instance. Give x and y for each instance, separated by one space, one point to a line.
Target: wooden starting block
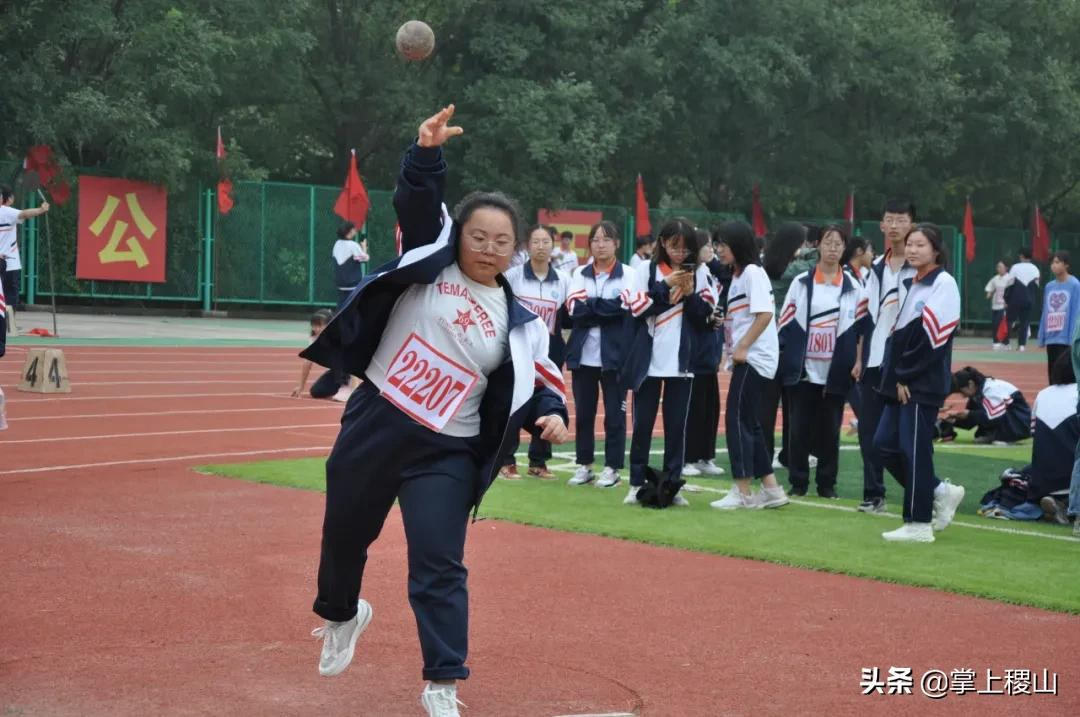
45 371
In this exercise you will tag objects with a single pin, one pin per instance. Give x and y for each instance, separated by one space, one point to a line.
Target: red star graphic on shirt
464 320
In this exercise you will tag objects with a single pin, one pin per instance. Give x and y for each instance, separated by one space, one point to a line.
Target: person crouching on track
331 384
671 304
594 353
454 366
751 345
915 379
820 358
996 409
542 289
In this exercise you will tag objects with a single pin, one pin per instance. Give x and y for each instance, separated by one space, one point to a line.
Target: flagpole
48 259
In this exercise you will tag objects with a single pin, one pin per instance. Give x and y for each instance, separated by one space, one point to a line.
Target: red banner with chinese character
121 230
573 220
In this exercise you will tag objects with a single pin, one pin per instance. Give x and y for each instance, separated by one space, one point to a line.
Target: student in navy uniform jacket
542 289
1053 448
915 379
672 304
996 409
1021 295
820 345
454 367
594 353
703 422
1061 307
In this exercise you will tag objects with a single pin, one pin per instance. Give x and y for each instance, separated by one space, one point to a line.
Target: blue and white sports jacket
1002 407
795 320
1057 431
527 386
593 304
918 353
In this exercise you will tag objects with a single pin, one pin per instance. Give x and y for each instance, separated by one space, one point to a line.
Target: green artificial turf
1014 562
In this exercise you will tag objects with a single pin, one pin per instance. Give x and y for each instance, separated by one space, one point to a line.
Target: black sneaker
827 493
797 490
874 505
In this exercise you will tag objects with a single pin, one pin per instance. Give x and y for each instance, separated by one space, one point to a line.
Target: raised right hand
434 131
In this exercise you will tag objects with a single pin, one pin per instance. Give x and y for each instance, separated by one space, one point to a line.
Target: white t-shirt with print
9 237
750 294
450 333
996 288
667 329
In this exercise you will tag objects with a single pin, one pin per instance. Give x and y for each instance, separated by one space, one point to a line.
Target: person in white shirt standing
643 253
542 289
349 258
995 291
10 218
565 258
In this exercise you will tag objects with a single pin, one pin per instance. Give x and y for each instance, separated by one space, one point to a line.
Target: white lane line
172 383
281 368
165 459
168 433
203 412
46 397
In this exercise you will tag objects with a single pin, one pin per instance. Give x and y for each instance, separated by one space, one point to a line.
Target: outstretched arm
419 194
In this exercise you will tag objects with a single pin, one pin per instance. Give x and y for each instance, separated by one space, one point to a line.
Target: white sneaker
813 462
441 700
1022 348
947 498
910 533
776 464
609 478
690 470
631 497
709 468
998 347
582 476
680 501
770 498
733 500
342 394
339 640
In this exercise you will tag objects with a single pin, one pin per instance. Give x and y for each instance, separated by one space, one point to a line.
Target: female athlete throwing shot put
453 367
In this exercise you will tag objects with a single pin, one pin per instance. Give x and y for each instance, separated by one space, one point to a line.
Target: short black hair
547 228
781 249
831 228
344 229
738 237
321 317
645 240
672 229
899 205
567 234
854 246
966 375
1061 373
1062 256
813 234
610 230
1025 253
5 193
489 200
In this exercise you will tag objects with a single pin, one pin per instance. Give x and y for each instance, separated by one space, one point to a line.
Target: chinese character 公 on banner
121 230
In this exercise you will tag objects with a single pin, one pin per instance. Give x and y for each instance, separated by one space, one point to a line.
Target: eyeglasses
498 247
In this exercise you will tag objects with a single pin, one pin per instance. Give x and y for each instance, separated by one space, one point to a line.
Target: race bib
543 308
427 385
821 342
1055 321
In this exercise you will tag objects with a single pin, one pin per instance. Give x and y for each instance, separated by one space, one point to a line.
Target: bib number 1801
427 385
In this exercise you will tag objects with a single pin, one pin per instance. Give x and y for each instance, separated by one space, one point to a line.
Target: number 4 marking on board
54 372
31 372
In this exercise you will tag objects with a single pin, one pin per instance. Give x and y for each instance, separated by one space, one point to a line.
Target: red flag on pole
224 185
352 204
969 232
641 212
849 211
757 216
1040 237
40 159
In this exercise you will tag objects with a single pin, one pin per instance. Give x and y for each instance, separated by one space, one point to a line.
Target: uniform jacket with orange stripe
794 331
525 387
650 304
595 304
918 353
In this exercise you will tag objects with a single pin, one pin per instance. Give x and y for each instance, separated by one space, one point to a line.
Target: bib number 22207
425 384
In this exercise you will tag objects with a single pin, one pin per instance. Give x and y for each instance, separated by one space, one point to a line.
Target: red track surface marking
134 586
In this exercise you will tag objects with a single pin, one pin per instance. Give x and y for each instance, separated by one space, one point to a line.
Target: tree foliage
566 101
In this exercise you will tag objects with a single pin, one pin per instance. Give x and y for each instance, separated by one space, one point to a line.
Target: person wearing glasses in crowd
542 289
454 366
595 351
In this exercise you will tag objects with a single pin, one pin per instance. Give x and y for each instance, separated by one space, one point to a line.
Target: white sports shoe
770 498
690 470
631 497
582 476
441 700
339 640
947 498
609 478
709 468
680 501
776 464
733 500
910 533
812 462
